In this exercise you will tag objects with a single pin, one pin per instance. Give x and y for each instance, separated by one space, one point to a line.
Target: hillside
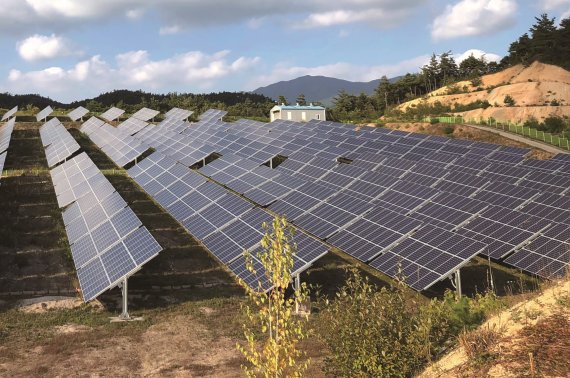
502 345
535 89
317 88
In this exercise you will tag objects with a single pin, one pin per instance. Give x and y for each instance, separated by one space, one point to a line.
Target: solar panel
44 113
177 113
77 113
106 238
10 113
112 114
145 114
132 126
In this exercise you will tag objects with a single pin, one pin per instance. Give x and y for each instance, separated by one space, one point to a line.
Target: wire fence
512 127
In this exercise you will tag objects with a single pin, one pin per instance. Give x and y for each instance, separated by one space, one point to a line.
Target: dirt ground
466 132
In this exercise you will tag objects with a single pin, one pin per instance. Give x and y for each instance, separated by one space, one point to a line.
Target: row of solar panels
226 228
57 141
144 114
9 114
339 140
107 240
5 137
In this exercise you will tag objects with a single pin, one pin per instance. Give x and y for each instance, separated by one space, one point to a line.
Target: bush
554 103
554 125
476 81
509 101
532 123
448 130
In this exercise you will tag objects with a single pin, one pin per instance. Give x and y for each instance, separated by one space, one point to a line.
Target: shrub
532 123
479 345
448 130
553 125
554 103
509 101
376 332
434 121
476 81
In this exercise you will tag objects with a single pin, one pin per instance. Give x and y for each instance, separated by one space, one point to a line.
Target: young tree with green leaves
274 353
301 99
282 100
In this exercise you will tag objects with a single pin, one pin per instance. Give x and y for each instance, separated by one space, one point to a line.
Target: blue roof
301 107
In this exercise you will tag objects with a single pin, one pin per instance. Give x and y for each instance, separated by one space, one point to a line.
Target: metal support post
297 288
124 287
458 283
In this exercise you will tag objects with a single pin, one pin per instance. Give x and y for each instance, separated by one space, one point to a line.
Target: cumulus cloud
490 57
39 47
474 17
19 15
190 71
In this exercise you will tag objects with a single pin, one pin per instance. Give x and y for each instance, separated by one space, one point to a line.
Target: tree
542 47
509 100
277 353
301 99
282 100
383 93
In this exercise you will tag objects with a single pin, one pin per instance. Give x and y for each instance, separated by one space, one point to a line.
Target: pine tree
301 99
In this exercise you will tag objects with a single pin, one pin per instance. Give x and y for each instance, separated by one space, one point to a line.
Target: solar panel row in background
44 113
112 114
77 113
10 113
108 242
145 114
178 114
120 146
57 141
5 136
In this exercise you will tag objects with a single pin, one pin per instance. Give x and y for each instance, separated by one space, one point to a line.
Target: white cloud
554 4
189 72
474 17
490 57
19 16
39 47
135 14
170 30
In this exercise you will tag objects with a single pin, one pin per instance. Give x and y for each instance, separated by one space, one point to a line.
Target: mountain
316 88
539 90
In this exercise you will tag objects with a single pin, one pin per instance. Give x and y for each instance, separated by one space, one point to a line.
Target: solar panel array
145 114
112 114
119 145
10 113
225 223
178 114
77 113
44 113
461 187
107 240
57 141
5 136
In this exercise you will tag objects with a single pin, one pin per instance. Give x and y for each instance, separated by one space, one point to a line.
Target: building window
304 116
289 116
318 116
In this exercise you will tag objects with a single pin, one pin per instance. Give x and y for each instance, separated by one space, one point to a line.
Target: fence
512 127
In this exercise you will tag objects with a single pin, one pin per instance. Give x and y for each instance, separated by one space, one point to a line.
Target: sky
76 49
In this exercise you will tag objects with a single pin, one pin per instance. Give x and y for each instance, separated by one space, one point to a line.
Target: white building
298 113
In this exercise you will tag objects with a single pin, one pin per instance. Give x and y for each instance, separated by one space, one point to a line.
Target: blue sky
75 49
